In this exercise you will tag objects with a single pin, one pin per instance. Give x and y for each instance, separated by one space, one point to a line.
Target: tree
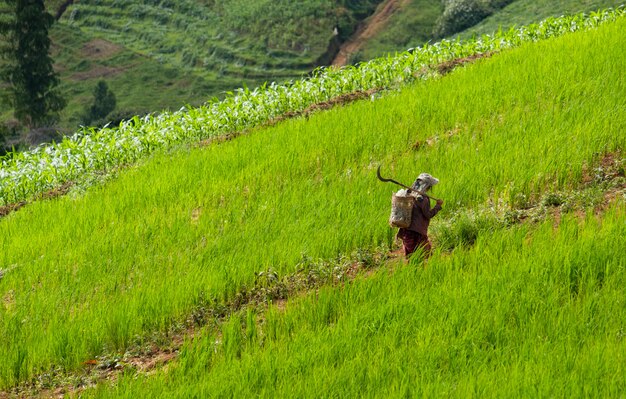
27 65
103 103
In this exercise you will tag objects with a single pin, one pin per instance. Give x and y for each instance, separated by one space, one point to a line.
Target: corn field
24 175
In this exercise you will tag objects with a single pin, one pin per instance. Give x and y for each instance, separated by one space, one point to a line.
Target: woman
416 235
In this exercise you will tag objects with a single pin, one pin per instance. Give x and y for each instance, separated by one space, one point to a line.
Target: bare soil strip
366 30
55 192
446 67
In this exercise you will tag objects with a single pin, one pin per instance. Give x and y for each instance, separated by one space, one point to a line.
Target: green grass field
523 12
525 312
533 310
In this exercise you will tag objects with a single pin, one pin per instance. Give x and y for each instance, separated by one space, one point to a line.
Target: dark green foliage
355 11
120 115
459 15
104 103
3 133
552 199
8 131
27 66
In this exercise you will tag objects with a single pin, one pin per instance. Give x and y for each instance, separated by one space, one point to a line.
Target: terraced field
158 55
522 297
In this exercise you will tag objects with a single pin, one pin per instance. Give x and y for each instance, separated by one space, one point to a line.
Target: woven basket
401 210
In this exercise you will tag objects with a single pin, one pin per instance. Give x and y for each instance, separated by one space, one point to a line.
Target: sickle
390 180
402 185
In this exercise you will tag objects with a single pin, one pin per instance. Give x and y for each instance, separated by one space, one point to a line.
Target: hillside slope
526 310
94 274
522 12
211 47
413 22
163 56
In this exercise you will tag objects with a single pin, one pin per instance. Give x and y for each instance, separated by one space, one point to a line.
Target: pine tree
27 65
103 103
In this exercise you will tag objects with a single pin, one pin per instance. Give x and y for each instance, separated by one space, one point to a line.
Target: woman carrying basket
416 234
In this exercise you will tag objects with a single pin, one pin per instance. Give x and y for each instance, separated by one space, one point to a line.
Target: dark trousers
411 240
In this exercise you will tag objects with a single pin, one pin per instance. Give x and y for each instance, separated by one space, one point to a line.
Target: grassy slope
548 323
96 270
141 84
412 24
526 312
234 36
523 12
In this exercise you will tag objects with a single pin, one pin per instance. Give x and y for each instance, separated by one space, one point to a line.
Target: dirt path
367 30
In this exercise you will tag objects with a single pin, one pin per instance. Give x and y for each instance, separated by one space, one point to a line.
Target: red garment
416 235
411 240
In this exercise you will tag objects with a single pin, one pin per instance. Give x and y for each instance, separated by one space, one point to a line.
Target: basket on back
401 209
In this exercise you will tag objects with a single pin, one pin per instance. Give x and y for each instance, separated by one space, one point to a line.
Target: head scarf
424 182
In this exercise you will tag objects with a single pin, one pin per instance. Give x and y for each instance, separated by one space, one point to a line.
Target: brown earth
55 192
446 67
366 30
99 49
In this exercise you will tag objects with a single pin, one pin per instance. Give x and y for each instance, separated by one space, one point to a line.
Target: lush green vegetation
522 12
27 78
99 271
525 312
26 174
138 81
166 54
415 21
459 15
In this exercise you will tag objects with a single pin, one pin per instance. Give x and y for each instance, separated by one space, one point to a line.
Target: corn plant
24 175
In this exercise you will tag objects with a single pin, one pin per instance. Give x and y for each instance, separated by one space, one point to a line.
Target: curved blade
399 184
380 177
389 180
